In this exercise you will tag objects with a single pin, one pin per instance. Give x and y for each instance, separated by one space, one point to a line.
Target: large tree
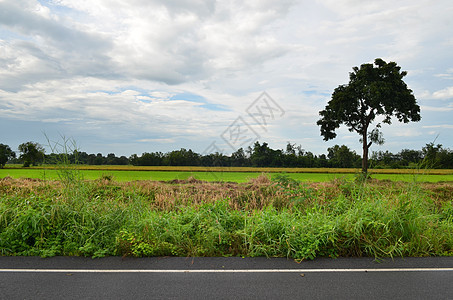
5 154
32 153
374 90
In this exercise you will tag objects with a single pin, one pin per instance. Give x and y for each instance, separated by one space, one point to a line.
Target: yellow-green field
240 169
234 174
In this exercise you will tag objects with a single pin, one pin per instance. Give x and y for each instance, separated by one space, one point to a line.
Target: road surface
225 278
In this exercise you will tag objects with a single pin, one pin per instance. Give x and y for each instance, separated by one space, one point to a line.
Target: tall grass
263 217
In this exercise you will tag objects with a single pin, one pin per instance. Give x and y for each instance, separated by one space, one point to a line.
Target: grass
242 169
129 173
281 217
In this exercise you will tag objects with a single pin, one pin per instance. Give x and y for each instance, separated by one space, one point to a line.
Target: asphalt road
225 278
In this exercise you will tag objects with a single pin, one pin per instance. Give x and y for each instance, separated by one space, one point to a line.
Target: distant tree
290 157
322 161
445 158
112 159
264 156
134 160
408 157
182 157
430 153
385 159
82 157
123 160
147 159
5 154
373 90
342 157
216 159
32 153
437 157
99 159
239 158
91 159
290 149
306 159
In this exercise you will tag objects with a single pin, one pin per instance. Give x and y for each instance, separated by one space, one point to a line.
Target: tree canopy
342 157
374 90
5 154
32 153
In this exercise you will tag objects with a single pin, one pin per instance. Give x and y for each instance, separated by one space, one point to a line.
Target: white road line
226 271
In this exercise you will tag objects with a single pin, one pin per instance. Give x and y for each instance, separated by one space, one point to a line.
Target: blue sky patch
199 99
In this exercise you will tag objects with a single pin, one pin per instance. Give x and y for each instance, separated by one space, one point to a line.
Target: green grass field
130 173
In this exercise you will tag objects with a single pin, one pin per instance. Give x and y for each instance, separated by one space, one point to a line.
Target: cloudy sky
159 75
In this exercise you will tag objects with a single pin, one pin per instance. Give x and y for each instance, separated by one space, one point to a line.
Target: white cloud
447 126
435 108
444 93
165 141
98 67
407 132
445 75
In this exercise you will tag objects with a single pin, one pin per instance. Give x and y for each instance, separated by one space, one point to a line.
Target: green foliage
435 156
296 220
260 155
134 245
64 157
5 154
32 153
342 157
361 177
373 90
39 226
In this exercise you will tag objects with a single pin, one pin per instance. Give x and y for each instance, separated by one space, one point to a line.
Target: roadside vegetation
281 217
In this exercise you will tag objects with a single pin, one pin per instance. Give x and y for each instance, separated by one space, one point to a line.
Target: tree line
257 155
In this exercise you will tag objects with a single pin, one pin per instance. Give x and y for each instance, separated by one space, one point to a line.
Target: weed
275 218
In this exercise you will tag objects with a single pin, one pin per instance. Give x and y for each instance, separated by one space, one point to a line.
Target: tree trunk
365 153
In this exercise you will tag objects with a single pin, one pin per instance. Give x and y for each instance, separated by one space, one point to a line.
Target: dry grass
262 217
255 194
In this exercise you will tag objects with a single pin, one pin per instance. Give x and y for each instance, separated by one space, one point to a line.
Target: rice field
238 175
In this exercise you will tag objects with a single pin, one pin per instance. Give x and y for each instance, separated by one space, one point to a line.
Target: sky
135 76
